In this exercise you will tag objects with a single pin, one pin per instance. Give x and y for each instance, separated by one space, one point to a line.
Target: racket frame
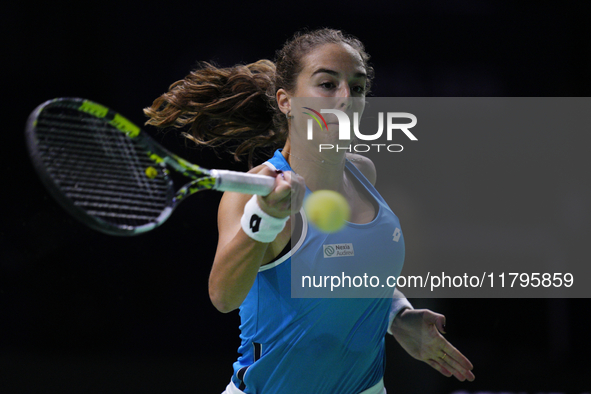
200 178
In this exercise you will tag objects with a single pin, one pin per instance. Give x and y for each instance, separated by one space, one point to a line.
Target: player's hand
419 331
287 195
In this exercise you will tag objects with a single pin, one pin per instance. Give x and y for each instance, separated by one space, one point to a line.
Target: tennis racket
108 173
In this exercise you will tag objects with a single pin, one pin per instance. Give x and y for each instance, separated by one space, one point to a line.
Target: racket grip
240 182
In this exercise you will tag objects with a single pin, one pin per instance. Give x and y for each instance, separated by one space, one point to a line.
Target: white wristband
259 225
399 303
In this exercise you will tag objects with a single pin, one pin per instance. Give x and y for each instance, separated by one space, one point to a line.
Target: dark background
81 312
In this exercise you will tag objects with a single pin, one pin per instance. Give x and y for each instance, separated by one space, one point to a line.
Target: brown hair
238 103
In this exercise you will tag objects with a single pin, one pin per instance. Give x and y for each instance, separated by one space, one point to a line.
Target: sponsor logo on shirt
338 250
396 234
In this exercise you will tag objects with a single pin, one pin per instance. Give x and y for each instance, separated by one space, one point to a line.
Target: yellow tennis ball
151 172
327 210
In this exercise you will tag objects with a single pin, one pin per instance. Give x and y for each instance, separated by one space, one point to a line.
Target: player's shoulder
365 165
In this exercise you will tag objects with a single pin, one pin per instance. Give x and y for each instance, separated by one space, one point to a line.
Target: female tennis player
303 345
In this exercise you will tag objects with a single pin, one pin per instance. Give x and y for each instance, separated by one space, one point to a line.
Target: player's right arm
238 257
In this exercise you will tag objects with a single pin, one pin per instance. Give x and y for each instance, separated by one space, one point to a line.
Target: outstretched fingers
437 366
452 360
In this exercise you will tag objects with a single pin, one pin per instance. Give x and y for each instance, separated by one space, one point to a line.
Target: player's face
332 70
333 77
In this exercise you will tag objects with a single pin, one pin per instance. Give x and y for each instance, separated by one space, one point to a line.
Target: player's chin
332 136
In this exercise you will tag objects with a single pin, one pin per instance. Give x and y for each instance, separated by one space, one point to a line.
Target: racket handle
240 182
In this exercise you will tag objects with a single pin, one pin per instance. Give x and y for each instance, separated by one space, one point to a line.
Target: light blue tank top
318 345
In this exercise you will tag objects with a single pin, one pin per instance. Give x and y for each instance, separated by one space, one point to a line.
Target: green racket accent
125 125
151 172
194 187
100 111
157 159
190 168
120 122
187 169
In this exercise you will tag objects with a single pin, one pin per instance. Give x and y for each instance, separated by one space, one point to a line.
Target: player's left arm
419 331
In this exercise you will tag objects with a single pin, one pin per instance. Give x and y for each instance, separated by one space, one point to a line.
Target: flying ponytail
217 105
238 104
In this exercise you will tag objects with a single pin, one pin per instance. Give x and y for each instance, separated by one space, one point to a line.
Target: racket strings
86 169
100 169
104 196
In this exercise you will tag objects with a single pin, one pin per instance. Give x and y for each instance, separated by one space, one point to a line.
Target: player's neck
319 173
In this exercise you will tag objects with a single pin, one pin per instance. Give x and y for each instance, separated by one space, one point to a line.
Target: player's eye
359 89
328 85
